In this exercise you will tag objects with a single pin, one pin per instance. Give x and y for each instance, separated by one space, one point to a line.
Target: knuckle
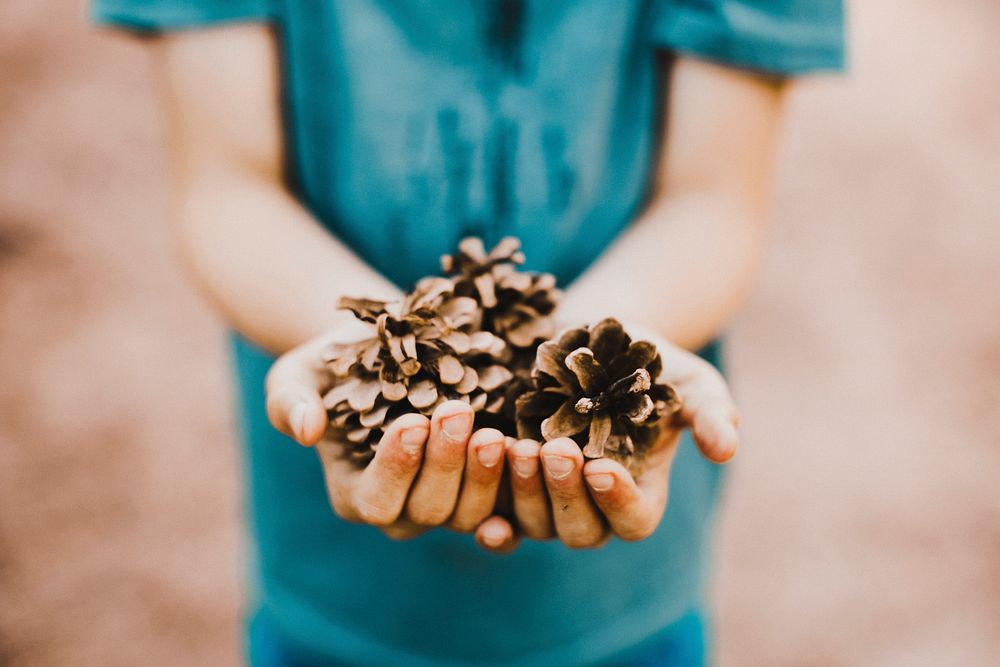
643 528
637 533
480 479
614 500
399 462
535 523
465 523
340 506
564 492
399 533
344 510
470 513
537 532
452 464
583 540
373 514
424 515
525 487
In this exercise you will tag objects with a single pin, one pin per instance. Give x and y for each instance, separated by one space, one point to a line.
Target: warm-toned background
862 523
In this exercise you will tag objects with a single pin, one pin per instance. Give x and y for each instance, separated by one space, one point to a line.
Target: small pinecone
426 349
517 306
598 387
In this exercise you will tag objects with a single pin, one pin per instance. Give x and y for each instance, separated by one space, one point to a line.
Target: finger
341 476
403 529
436 489
383 486
707 406
530 500
577 521
497 535
297 412
714 419
483 470
715 428
294 384
301 367
632 512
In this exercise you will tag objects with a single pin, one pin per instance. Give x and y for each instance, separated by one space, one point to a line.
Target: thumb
707 407
714 422
297 412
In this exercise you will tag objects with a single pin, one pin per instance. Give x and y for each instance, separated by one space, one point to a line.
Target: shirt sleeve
163 15
782 37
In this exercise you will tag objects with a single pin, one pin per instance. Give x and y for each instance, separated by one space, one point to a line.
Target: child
340 147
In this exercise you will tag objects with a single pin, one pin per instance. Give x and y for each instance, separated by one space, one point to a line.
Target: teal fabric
681 644
410 125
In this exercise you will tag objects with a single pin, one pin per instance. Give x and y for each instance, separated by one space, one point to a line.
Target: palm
435 471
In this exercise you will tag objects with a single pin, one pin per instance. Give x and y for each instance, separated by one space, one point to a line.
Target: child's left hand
586 503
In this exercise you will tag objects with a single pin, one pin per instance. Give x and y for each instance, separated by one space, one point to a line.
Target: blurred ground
862 523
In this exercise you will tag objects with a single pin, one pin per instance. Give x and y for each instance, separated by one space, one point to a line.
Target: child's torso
411 125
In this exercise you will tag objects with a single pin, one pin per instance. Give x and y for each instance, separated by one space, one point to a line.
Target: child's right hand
426 472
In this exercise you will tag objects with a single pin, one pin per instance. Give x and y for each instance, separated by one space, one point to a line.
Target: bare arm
257 253
680 271
691 258
276 274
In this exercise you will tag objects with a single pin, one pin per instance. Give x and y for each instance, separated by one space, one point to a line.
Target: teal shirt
410 125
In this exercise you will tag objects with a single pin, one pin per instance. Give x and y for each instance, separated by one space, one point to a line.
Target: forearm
255 251
263 261
683 269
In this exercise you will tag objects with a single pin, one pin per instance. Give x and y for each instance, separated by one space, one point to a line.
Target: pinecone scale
483 334
599 388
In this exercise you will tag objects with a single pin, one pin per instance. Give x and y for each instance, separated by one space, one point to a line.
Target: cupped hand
425 473
584 503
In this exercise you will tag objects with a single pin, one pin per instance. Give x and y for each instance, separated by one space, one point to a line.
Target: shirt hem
597 647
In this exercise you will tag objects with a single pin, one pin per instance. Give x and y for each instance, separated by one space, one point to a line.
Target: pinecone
598 387
517 306
426 349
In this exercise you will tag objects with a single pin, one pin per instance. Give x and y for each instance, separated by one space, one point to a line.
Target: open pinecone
517 306
597 386
426 349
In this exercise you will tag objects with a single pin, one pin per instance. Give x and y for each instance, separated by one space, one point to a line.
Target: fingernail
297 419
601 481
489 455
413 439
558 467
525 466
456 427
494 536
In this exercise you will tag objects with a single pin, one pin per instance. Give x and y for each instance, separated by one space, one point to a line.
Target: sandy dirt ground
862 521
